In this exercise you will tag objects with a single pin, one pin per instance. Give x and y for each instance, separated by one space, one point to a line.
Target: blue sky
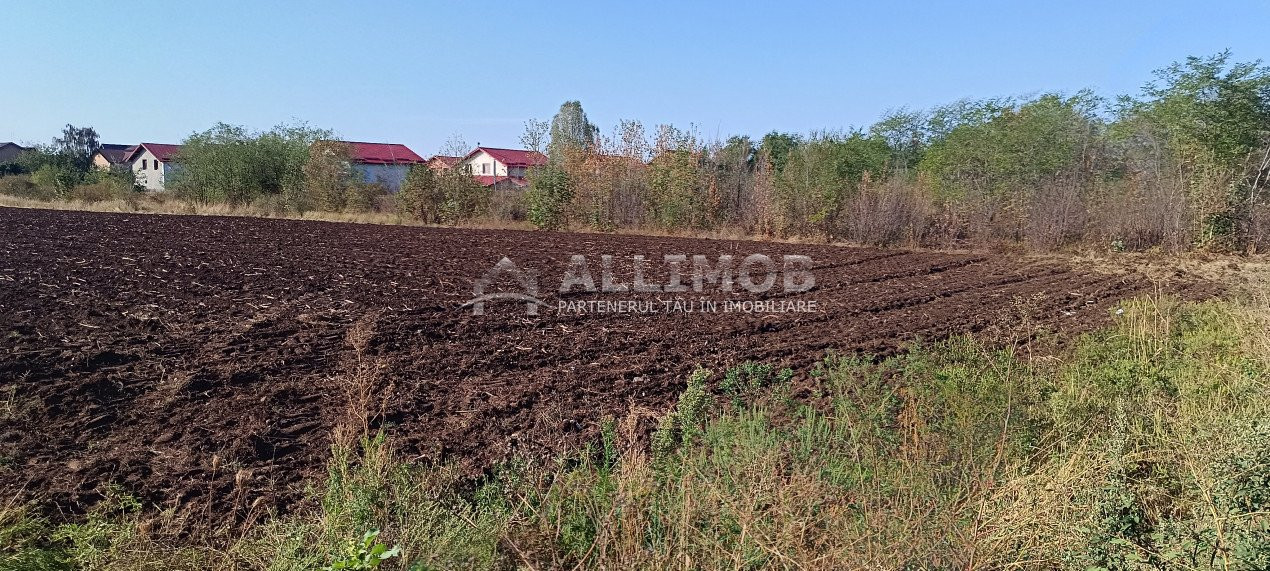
419 72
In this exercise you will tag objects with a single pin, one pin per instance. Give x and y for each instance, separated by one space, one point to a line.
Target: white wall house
152 164
493 166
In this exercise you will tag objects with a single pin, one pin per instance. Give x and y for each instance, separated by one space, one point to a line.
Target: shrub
421 196
90 193
231 164
676 194
508 204
103 187
550 191
22 186
1149 211
56 180
361 196
445 197
745 381
272 205
328 178
1056 215
685 421
893 214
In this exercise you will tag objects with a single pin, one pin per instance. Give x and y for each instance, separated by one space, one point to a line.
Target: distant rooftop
446 160
115 154
161 151
382 153
512 157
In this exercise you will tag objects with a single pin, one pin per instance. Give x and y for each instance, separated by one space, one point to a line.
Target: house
152 163
9 152
501 168
443 162
111 157
382 163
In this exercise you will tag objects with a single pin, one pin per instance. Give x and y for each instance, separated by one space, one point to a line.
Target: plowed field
202 363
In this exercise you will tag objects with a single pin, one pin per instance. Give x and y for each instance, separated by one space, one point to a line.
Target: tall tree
455 146
821 173
734 174
1214 117
78 144
777 148
1016 148
534 137
1209 108
905 132
570 130
550 191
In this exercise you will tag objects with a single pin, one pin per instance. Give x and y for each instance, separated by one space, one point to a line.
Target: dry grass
1248 277
159 204
365 388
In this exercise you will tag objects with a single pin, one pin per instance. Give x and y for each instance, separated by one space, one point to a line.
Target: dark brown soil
176 355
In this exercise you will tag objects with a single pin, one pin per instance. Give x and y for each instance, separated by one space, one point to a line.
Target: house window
143 164
156 164
484 168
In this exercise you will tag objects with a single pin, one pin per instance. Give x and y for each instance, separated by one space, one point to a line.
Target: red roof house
162 152
510 157
385 164
382 154
492 166
443 162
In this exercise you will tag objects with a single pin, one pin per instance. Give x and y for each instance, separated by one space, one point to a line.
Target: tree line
1183 164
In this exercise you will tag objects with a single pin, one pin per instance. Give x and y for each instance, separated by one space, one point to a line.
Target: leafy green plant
747 379
366 553
1241 500
685 421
